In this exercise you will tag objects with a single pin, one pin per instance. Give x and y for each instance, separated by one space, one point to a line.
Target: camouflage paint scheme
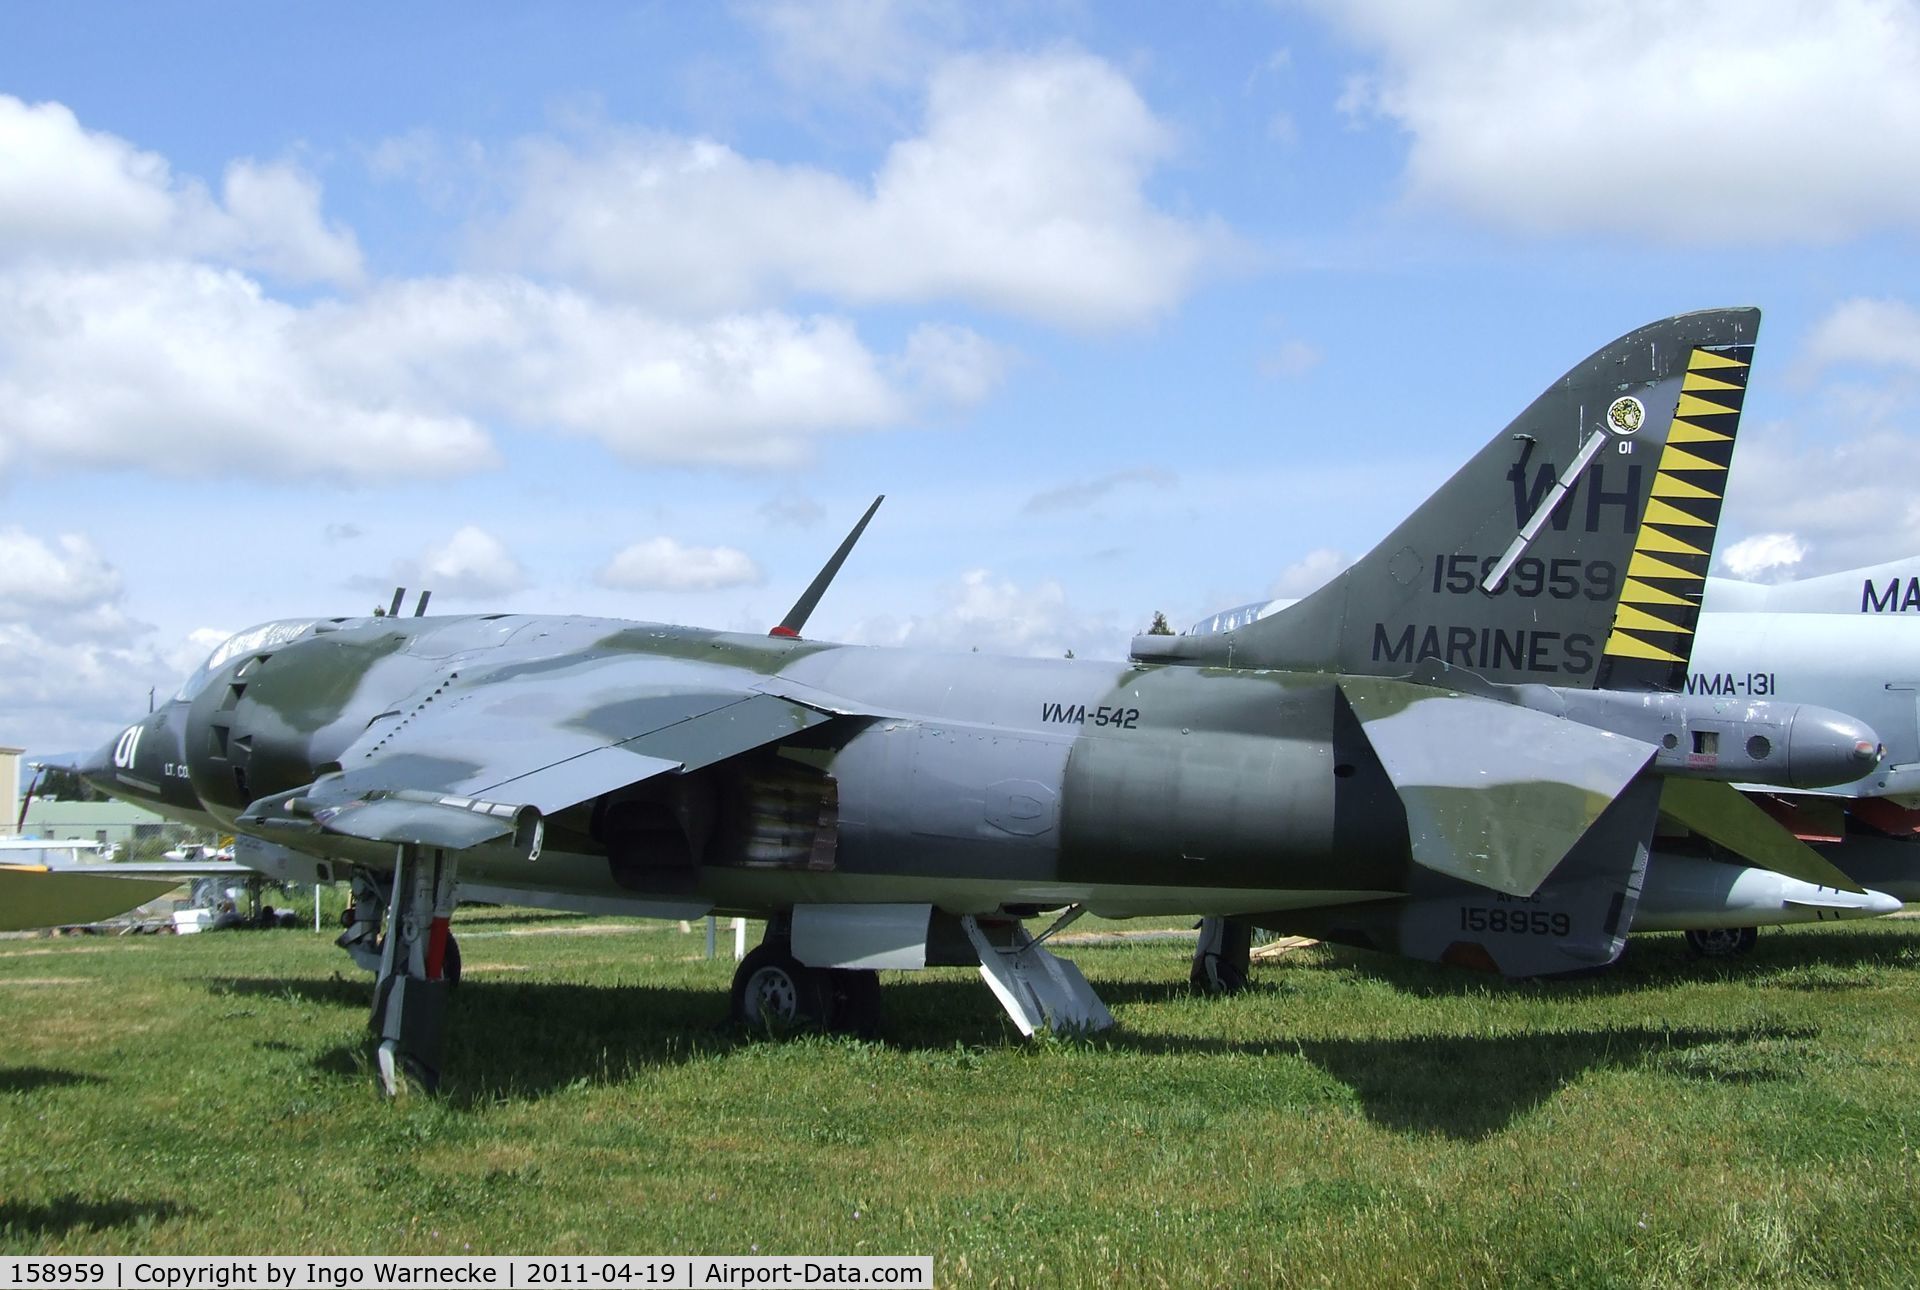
1292 765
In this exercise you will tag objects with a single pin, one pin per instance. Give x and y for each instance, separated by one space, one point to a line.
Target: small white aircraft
46 883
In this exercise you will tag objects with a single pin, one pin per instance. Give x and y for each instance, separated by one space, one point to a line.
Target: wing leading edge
494 760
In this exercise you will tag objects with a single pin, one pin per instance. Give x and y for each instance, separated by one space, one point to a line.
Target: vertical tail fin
1572 549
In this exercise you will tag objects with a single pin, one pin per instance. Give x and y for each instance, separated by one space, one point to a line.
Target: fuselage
972 782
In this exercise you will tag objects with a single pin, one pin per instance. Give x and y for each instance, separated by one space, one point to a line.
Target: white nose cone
1879 903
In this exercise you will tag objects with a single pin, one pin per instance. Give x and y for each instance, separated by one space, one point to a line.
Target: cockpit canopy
266 636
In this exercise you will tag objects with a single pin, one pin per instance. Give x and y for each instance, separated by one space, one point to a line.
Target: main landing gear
1721 942
1223 959
772 990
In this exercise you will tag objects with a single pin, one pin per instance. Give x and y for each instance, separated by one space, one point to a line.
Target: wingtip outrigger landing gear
410 991
1038 990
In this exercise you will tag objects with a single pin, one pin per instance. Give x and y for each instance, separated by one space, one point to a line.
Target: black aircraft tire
772 990
856 1001
1721 942
450 962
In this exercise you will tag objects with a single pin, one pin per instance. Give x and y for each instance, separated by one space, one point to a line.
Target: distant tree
1159 627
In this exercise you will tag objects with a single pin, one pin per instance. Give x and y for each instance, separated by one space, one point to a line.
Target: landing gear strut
410 990
1223 960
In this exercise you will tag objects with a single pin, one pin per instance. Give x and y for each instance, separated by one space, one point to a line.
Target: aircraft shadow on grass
47 1220
527 1040
1470 1087
1780 962
28 1079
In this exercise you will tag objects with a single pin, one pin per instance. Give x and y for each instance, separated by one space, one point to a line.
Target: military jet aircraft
1851 639
891 808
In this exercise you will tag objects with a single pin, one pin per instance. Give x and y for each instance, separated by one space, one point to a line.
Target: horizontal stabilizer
1505 817
1721 814
1577 920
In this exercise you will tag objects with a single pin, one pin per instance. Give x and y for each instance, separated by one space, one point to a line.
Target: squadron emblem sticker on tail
1626 414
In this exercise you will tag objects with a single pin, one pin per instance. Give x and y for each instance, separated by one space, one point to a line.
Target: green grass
1352 1120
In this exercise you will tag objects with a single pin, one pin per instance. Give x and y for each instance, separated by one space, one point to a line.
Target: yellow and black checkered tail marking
1666 576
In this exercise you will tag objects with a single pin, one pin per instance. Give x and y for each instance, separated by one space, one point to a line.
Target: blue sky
630 309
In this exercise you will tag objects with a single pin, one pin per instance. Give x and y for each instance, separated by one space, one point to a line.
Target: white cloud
999 616
1764 557
471 564
63 694
66 696
1844 501
1085 492
1721 121
665 564
64 593
77 194
36 578
273 224
1310 572
1291 358
743 390
950 365
73 666
792 508
841 44
134 334
195 648
1833 491
186 369
1883 333
1024 193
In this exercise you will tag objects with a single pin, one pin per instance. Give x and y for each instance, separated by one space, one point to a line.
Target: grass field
1352 1120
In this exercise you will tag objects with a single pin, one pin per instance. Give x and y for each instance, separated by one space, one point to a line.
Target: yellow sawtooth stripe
1653 539
1674 486
1701 381
1645 566
1673 458
1638 620
1621 645
1692 405
1645 593
1688 432
1659 512
1706 359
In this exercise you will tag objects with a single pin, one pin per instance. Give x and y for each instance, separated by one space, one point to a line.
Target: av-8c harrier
890 808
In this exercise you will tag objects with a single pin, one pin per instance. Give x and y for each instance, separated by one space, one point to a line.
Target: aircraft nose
129 765
1827 747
